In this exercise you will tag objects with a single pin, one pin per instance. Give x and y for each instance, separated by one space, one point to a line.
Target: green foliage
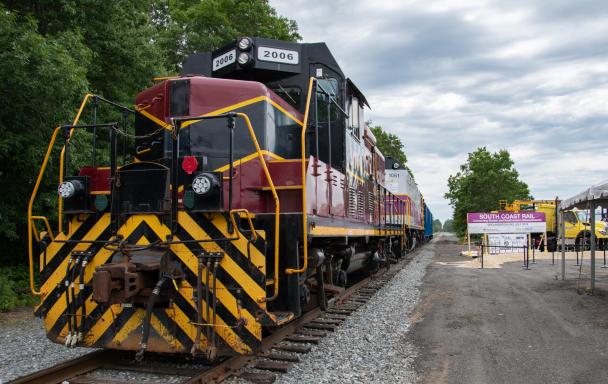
448 226
190 26
481 182
436 226
14 288
390 145
43 78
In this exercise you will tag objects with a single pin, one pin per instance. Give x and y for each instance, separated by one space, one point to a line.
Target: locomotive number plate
224 60
278 55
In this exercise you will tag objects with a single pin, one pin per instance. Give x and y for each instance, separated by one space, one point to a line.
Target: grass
14 288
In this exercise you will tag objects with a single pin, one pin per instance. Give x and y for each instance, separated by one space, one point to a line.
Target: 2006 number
278 55
224 60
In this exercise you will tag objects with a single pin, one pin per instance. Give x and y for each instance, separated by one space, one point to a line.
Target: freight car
252 191
428 224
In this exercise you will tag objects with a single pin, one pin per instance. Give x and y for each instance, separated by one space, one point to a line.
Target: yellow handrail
277 206
248 217
46 224
61 160
29 211
290 271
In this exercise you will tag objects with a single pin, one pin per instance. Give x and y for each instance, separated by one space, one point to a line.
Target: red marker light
189 164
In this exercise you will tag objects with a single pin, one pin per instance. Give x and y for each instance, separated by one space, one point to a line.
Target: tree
390 145
43 79
448 226
192 26
119 35
482 181
436 226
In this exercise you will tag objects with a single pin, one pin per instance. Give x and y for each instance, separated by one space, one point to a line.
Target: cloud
449 76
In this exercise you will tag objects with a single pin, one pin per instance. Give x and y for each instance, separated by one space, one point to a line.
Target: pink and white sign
506 222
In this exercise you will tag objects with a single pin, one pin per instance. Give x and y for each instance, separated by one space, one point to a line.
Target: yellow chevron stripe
101 257
223 330
219 221
237 273
102 324
189 259
58 275
131 325
52 249
163 332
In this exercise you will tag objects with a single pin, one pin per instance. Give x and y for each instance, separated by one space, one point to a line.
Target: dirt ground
504 324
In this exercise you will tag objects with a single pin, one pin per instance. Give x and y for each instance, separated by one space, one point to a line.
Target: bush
14 288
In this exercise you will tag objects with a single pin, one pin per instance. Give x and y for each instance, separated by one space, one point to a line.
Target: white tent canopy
580 200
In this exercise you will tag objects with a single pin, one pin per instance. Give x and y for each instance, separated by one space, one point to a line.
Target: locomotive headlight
395 165
67 189
244 44
201 185
244 58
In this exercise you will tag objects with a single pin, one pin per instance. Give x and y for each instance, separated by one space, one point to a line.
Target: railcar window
292 95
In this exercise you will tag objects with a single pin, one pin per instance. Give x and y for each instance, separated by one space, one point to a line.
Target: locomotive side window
326 109
354 123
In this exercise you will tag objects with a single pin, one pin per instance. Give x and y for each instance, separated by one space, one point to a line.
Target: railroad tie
326 327
311 332
336 311
293 348
258 377
276 366
321 320
280 357
303 339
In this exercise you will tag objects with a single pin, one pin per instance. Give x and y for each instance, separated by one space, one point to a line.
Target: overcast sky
449 76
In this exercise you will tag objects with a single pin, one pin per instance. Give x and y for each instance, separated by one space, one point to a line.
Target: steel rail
68 369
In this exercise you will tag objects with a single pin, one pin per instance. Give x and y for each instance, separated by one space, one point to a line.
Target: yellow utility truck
576 223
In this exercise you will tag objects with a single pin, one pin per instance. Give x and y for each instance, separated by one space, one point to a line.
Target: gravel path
24 347
372 345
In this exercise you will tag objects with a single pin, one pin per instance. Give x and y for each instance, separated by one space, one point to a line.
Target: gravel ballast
25 347
372 345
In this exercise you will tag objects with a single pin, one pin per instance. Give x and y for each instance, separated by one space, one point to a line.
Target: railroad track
277 355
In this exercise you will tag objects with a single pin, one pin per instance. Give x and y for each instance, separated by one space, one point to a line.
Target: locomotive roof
267 61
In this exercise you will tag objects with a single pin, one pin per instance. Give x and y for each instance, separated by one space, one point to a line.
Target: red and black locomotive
255 192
